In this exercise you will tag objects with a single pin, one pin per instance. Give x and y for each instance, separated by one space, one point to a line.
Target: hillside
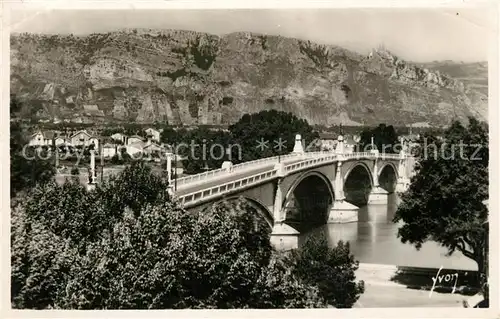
197 78
474 75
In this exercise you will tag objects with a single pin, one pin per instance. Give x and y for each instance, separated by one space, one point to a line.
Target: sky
420 35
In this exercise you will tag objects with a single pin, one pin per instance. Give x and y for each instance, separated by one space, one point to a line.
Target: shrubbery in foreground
126 246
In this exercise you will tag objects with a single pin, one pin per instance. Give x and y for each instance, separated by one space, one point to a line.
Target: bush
332 270
75 171
126 246
26 173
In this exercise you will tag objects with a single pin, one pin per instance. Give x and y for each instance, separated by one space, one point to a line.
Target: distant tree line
240 142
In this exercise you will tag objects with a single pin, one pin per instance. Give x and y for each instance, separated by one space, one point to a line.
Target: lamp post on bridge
175 166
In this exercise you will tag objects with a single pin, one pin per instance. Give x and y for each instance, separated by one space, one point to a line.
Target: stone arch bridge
301 188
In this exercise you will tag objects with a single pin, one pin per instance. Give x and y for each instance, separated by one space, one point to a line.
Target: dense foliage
125 245
445 200
385 139
27 168
271 126
332 270
205 149
202 148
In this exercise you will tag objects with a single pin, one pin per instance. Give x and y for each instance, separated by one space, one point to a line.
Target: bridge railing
263 161
389 156
198 177
371 155
210 192
214 191
222 171
238 167
309 162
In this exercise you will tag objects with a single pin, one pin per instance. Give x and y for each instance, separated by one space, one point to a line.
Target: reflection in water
373 239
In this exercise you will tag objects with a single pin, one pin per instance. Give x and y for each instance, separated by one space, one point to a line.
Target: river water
373 239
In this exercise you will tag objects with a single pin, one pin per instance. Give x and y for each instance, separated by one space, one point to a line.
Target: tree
269 125
201 147
384 139
444 200
75 171
332 270
165 258
125 245
135 187
28 169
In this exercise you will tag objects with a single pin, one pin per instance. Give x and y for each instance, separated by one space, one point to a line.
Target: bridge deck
197 186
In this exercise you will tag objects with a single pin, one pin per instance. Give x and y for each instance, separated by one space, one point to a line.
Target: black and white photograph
251 158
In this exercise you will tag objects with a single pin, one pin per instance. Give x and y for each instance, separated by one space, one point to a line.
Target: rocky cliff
197 78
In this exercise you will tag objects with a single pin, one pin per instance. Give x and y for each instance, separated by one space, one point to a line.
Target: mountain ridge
189 77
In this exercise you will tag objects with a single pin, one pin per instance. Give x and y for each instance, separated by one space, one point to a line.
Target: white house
134 149
134 140
109 150
80 138
152 148
37 139
119 137
155 134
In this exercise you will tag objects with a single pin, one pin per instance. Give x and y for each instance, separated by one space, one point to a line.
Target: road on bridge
215 181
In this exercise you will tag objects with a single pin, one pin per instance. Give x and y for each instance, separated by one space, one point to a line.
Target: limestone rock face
197 78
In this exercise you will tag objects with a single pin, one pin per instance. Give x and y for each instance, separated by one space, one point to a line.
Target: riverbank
393 286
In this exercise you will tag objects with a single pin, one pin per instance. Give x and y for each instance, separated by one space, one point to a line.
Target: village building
109 150
134 139
152 149
48 138
153 133
119 137
80 138
37 139
135 148
327 141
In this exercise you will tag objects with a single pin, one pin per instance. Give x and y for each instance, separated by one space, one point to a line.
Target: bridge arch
388 176
257 205
356 166
358 183
392 165
308 200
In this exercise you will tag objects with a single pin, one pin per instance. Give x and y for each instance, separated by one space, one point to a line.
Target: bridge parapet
192 199
238 167
309 160
242 166
291 168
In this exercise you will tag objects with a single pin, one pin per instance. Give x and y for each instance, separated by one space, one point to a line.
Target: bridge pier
341 211
284 237
377 195
403 180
